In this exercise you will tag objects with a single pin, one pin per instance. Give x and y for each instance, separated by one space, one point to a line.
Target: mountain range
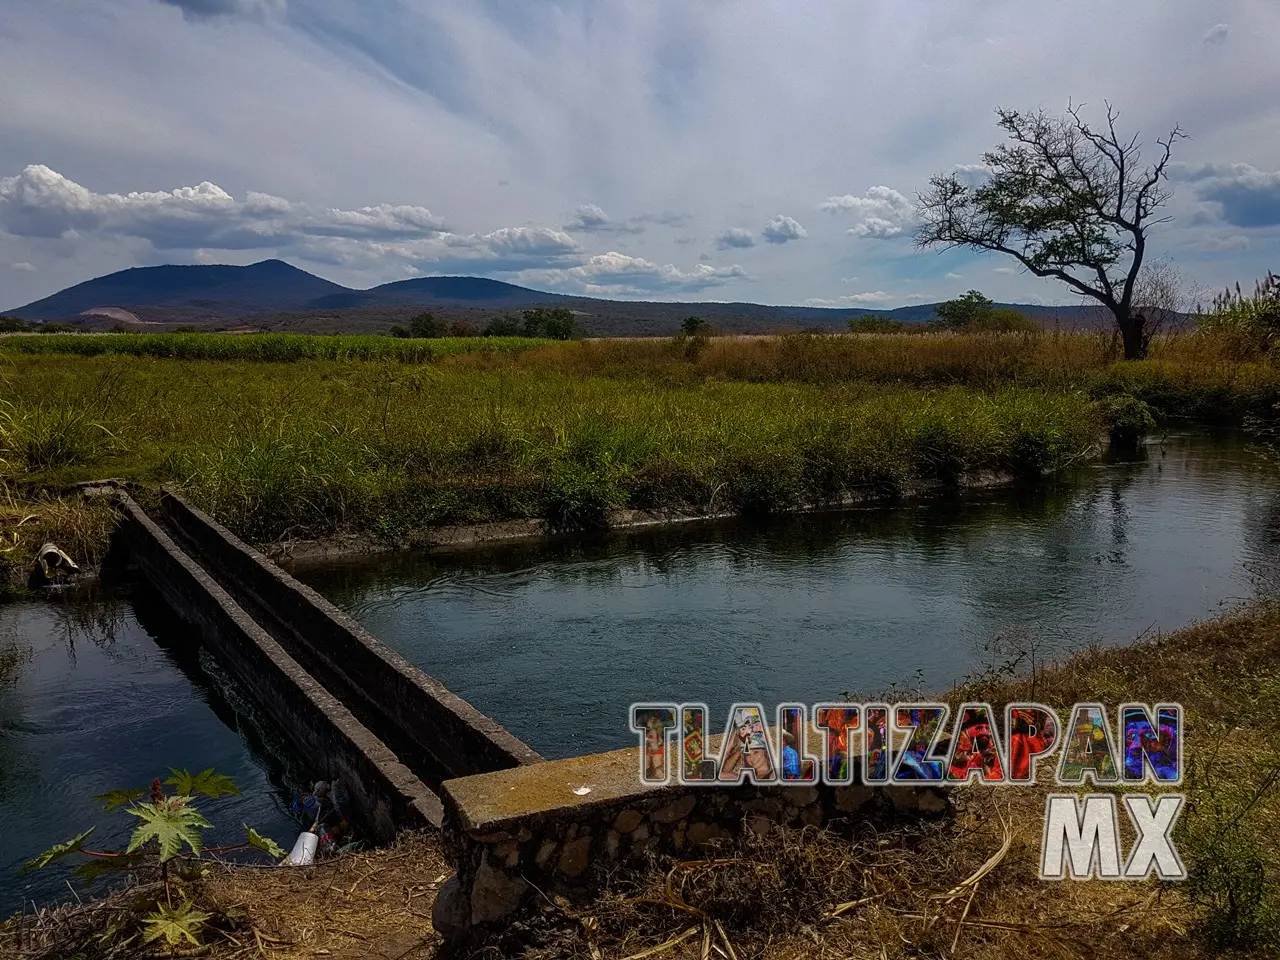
274 295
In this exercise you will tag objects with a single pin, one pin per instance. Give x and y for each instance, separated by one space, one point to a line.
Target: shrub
691 326
870 323
425 326
504 325
1253 320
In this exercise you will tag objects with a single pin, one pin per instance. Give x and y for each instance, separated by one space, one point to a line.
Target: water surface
556 639
113 694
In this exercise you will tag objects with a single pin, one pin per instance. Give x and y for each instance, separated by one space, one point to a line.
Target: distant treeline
556 323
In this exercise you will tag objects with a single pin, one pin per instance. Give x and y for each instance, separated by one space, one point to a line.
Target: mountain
274 295
215 289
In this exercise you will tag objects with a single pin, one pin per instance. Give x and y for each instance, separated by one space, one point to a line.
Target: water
113 695
556 639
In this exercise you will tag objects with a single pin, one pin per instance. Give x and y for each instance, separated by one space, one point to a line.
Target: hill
274 295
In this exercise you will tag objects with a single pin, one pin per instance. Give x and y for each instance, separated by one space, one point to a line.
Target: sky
754 150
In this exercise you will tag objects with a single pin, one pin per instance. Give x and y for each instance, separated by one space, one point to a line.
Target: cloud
41 203
705 257
735 238
1243 195
782 230
1217 35
851 299
1004 270
881 213
212 9
22 266
506 250
971 174
588 217
1221 244
954 276
617 273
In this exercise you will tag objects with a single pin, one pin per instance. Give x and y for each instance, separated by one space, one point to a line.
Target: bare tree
1066 202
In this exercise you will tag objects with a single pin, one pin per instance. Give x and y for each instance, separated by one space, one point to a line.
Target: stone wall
513 833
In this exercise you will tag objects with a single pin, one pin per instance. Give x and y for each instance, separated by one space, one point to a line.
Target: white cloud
954 276
1233 242
1004 270
735 238
42 203
881 213
23 266
617 273
782 230
588 216
1217 34
852 299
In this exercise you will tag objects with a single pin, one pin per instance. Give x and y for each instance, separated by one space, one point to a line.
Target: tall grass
318 446
261 347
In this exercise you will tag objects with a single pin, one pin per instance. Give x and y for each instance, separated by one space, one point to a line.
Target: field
292 436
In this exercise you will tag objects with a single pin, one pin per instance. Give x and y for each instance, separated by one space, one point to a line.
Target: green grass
322 446
262 347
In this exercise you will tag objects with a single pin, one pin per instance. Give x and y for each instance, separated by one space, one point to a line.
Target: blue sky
762 150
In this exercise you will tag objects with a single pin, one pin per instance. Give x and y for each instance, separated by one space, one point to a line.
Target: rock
628 820
525 835
853 798
933 802
759 825
904 799
800 796
545 853
811 816
496 836
675 810
640 834
611 843
575 856
495 895
508 852
700 833
450 914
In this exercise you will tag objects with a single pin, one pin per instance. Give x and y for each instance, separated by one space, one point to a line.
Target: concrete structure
352 710
562 827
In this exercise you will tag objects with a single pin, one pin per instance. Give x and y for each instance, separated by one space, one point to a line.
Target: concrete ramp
351 708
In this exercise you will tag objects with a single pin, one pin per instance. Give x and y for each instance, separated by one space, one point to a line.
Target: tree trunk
1133 334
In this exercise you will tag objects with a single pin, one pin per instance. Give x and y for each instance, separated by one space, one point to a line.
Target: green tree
691 326
963 312
1067 202
560 324
535 321
399 331
504 325
426 325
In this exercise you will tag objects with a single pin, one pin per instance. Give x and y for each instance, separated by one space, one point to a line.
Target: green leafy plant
167 839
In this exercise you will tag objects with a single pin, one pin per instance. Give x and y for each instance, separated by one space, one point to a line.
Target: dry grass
80 526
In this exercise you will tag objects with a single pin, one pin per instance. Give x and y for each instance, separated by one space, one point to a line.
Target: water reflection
556 639
103 705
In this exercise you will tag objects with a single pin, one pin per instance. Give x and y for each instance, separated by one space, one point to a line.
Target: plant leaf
175 924
170 824
263 843
118 798
205 782
58 851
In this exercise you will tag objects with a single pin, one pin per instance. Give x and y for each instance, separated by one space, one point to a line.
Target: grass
318 447
260 347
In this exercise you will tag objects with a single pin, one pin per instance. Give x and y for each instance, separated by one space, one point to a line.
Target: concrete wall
436 732
512 833
384 794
